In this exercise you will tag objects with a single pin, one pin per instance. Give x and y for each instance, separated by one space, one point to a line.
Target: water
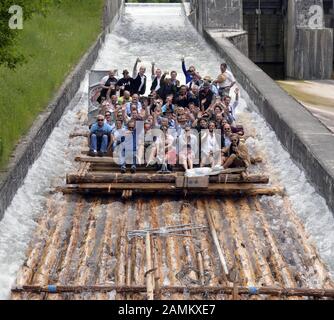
161 34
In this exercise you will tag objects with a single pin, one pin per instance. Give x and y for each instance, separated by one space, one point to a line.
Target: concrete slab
316 96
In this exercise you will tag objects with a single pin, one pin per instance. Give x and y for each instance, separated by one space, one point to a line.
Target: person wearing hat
124 84
205 96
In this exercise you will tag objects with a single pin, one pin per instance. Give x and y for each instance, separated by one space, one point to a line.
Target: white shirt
233 108
142 82
128 107
227 141
210 143
229 79
118 133
104 80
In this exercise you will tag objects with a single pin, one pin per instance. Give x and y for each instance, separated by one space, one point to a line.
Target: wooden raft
101 176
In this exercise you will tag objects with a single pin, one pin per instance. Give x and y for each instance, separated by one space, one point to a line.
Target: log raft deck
153 236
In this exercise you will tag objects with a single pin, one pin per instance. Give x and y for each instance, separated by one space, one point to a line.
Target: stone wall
30 146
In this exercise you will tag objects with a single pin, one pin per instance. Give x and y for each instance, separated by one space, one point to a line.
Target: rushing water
159 33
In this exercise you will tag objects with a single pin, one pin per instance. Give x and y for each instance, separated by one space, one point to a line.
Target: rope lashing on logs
149 271
52 289
253 290
176 230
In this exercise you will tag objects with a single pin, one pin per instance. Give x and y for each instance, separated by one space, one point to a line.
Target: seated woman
237 155
165 150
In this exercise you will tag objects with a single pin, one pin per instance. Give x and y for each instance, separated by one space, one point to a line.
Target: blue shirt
105 129
188 76
128 107
164 108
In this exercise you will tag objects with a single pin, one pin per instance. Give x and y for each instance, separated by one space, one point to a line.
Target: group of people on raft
191 123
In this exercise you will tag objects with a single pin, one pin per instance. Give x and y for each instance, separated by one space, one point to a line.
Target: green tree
9 54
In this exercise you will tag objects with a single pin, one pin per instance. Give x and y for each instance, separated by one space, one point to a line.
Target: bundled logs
274 291
114 177
170 189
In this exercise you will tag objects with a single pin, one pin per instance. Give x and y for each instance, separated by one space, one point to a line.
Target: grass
53 45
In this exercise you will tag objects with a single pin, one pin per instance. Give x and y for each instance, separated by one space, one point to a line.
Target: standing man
139 79
124 84
225 80
156 79
108 82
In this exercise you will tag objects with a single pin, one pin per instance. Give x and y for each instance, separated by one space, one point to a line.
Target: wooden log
235 293
211 267
216 242
37 245
246 221
281 268
114 177
107 264
149 273
121 249
141 209
170 189
274 291
101 167
79 134
255 160
200 267
113 161
172 244
314 261
158 249
244 256
53 247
